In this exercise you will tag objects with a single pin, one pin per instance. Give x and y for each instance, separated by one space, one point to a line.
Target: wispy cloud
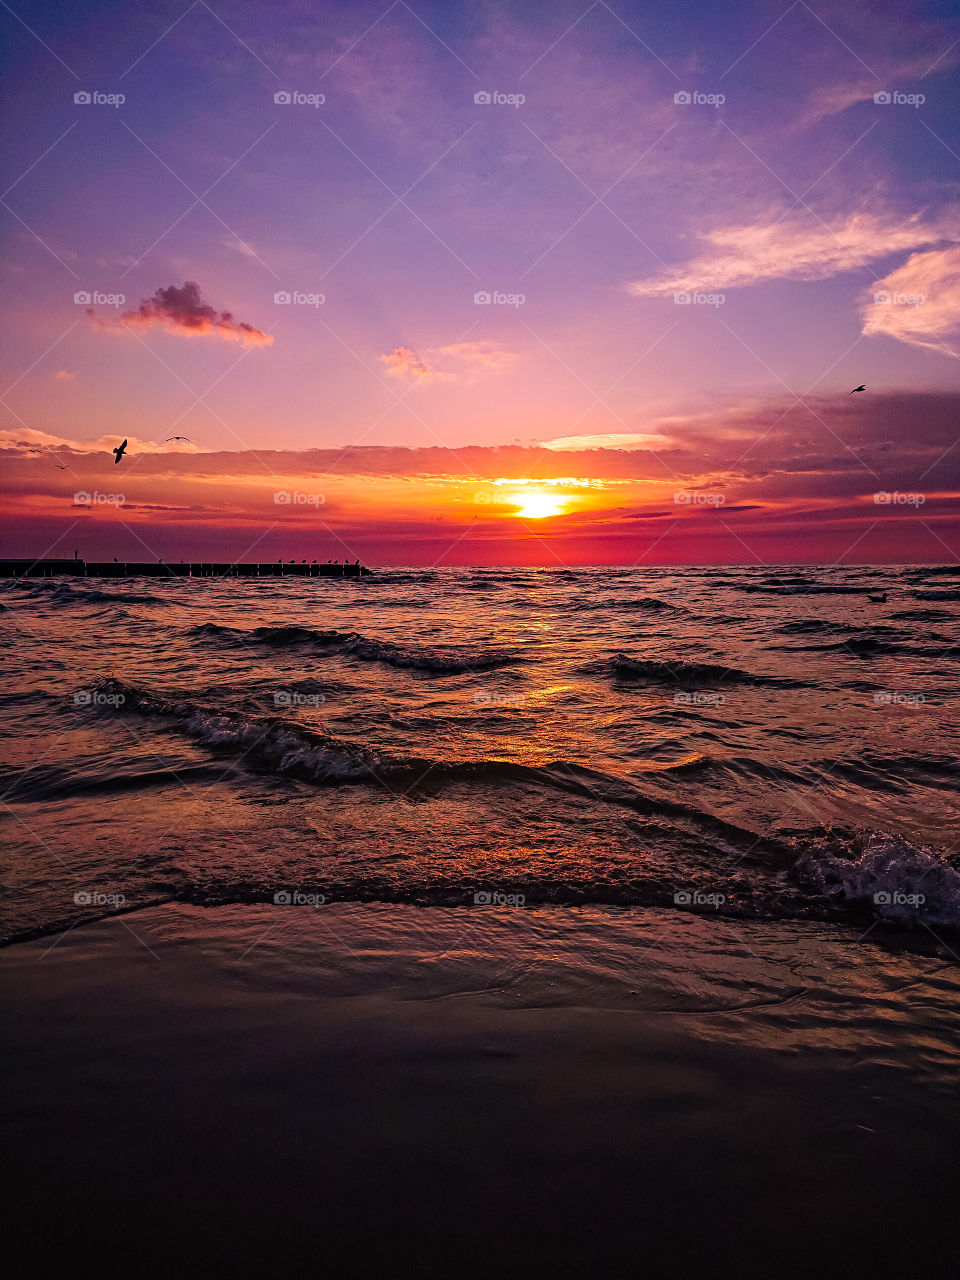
919 303
798 247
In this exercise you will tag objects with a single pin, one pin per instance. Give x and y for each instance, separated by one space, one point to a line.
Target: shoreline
579 1090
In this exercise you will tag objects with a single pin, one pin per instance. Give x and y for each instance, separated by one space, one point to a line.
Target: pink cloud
919 303
182 310
798 248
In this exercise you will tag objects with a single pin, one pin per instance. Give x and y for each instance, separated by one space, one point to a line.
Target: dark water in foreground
746 742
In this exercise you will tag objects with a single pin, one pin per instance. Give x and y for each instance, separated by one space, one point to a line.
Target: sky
512 283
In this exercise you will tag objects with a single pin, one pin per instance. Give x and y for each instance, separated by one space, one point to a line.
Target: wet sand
391 1090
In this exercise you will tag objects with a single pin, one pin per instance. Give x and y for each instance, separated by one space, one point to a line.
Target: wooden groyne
179 569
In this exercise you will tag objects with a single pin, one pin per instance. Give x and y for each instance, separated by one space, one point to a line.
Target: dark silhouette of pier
184 569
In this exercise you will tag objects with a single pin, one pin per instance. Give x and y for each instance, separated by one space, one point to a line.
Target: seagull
862 387
186 439
878 599
59 468
119 451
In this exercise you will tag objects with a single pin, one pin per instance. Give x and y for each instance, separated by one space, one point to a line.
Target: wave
438 661
936 595
925 615
812 589
680 671
67 593
904 883
812 626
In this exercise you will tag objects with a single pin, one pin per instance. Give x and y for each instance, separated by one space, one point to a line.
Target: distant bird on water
878 599
119 452
862 387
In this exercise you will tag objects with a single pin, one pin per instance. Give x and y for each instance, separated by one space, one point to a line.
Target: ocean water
761 743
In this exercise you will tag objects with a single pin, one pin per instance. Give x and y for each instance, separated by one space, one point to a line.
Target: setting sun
535 506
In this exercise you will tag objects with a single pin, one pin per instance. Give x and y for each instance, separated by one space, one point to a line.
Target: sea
744 743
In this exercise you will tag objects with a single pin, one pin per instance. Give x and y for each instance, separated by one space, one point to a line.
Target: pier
183 569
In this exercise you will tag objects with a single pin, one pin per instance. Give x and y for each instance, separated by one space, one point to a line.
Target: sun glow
536 506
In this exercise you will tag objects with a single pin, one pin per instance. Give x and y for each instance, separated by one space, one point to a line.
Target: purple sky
786 211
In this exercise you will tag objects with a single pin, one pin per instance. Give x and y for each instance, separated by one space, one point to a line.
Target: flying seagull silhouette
860 388
184 438
59 468
119 452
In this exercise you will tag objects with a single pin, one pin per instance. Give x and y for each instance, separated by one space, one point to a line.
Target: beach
360 1088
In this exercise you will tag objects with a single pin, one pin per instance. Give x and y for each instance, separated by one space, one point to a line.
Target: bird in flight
186 439
59 468
860 388
119 452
